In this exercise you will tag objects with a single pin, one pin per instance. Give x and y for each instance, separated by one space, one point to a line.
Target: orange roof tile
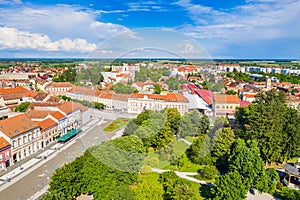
167 98
15 90
57 115
16 125
221 98
69 107
4 143
47 123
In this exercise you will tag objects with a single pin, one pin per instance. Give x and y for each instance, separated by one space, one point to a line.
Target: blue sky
222 28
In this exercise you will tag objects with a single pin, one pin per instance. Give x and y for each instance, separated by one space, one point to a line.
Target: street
37 179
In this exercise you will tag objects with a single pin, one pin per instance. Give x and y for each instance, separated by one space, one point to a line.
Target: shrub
146 169
209 172
153 162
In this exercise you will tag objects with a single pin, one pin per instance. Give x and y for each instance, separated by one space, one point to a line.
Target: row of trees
273 124
121 88
149 73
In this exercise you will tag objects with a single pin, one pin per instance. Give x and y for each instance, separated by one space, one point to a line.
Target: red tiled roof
4 143
16 90
47 123
57 115
16 125
244 103
167 98
221 98
69 107
206 95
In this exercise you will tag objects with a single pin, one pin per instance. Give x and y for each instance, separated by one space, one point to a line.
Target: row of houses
25 134
131 103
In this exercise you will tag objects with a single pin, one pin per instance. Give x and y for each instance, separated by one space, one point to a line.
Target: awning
69 135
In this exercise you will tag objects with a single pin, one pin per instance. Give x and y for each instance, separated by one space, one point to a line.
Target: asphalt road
38 179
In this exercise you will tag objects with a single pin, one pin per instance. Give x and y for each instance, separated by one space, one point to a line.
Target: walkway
185 175
16 174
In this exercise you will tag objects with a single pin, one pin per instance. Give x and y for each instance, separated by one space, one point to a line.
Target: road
38 178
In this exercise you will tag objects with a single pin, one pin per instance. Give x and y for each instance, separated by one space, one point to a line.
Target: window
1 157
7 154
25 152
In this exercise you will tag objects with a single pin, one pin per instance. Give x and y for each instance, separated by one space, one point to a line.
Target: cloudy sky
224 28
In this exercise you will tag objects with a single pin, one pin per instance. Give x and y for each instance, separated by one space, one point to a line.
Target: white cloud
248 22
10 2
59 20
12 38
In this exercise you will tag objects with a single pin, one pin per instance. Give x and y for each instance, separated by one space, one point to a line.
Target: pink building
5 154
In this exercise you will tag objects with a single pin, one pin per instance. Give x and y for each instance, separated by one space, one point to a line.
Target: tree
183 192
231 92
157 89
272 124
121 88
221 145
173 118
189 124
230 187
199 152
22 107
173 83
165 136
130 128
209 172
245 159
148 190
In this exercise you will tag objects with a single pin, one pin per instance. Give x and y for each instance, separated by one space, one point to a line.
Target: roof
291 169
4 143
206 95
16 125
60 84
171 97
47 123
69 107
85 91
40 96
16 90
222 98
57 115
38 114
244 103
139 84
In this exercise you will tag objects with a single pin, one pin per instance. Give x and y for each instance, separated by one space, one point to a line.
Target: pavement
13 176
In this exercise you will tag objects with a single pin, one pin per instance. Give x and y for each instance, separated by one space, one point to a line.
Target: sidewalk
29 166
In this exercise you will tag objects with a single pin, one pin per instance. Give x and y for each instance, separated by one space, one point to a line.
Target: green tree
245 159
173 83
230 187
199 152
22 107
231 92
189 124
165 136
272 124
173 118
121 88
221 145
148 190
157 89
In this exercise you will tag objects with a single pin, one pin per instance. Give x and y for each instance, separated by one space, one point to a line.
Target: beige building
23 134
140 102
49 129
225 105
60 88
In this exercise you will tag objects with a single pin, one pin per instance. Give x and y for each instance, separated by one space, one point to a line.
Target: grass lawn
153 177
116 124
189 138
